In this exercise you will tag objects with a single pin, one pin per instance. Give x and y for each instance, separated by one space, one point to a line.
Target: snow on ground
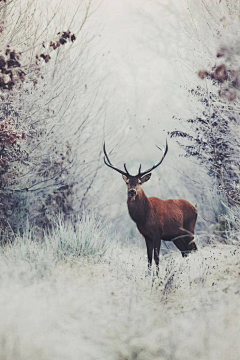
107 308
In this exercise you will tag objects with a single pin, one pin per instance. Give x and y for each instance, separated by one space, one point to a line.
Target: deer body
156 219
165 217
169 220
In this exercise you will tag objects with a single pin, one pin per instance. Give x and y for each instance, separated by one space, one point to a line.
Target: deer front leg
157 246
149 244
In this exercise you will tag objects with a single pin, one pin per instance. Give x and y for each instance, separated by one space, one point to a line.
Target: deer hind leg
189 228
181 245
185 242
157 245
191 245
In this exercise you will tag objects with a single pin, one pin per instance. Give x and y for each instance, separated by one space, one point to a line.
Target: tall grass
87 238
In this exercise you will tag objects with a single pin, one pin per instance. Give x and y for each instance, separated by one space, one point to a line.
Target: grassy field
84 295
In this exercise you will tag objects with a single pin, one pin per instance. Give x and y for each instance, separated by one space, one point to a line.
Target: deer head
134 182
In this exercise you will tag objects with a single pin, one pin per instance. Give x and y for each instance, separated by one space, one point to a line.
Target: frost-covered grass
83 295
88 237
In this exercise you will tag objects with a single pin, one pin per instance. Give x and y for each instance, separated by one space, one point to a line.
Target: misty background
150 55
74 280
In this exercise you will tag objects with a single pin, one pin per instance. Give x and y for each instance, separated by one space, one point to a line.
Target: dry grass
107 308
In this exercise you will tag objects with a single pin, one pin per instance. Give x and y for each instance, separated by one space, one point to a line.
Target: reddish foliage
2 62
46 58
220 73
9 134
1 26
64 37
203 74
62 41
225 77
8 75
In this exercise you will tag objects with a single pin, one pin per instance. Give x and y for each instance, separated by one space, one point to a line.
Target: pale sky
151 53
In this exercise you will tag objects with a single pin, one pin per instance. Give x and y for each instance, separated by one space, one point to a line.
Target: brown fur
156 220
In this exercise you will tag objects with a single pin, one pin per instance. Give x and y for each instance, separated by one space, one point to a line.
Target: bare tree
49 114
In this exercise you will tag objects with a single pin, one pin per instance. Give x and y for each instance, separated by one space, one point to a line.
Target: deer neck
139 207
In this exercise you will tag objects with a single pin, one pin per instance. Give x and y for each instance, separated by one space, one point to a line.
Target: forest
116 77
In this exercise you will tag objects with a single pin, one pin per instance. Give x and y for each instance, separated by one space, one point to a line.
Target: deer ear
145 178
125 178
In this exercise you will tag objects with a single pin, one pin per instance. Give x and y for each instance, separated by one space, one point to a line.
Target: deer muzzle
132 193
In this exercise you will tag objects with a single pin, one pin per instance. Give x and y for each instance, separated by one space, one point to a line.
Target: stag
170 220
